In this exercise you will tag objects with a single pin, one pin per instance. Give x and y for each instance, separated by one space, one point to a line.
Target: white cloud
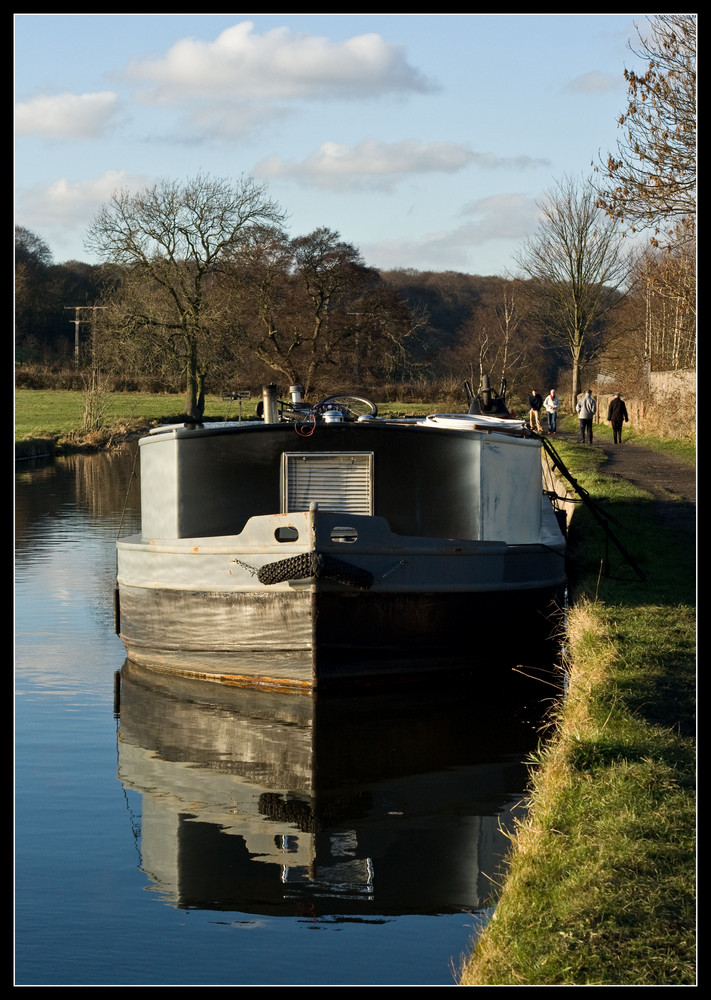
334 165
500 216
277 65
66 116
61 201
62 211
224 121
494 219
596 82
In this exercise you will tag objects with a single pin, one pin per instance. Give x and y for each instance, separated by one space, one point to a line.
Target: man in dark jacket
535 402
617 415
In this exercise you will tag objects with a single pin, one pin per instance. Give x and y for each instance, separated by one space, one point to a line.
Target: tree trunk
576 353
200 406
194 385
575 385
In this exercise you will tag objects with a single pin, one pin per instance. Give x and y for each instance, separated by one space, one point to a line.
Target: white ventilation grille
337 482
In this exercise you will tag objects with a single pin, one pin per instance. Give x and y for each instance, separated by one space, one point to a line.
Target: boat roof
479 424
469 421
435 421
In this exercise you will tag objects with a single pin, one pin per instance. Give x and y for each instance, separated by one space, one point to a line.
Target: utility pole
357 342
77 321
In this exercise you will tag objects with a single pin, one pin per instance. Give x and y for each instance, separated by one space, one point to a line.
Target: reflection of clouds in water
67 516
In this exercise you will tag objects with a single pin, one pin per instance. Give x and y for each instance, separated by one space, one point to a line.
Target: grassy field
58 414
600 887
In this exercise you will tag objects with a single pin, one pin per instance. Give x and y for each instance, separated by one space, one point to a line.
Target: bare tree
651 179
651 184
493 342
331 273
576 266
173 242
668 282
310 305
512 348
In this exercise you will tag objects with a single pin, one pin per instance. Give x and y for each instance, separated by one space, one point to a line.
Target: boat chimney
297 393
269 398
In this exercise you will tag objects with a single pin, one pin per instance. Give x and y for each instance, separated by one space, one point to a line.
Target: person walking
586 408
551 405
535 402
617 415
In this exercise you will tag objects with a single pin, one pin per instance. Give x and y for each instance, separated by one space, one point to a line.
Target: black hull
343 636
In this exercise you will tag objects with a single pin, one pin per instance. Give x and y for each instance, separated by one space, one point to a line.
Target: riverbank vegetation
600 882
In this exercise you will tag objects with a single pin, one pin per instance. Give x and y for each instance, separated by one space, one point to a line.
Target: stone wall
673 383
668 409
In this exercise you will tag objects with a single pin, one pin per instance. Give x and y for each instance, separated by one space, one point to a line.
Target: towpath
666 478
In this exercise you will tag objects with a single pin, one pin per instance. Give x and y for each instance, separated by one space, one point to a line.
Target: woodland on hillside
402 333
399 334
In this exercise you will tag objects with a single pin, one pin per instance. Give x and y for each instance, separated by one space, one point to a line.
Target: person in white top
551 404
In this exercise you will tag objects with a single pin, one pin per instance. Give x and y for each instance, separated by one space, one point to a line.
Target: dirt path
667 479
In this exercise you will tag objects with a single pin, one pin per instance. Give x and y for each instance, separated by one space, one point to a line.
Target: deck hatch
338 481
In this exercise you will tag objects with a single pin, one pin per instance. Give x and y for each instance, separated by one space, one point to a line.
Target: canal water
190 835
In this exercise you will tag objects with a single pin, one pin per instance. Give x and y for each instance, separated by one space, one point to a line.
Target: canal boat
326 544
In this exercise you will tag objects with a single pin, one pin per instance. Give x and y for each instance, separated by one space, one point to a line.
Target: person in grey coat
617 415
586 408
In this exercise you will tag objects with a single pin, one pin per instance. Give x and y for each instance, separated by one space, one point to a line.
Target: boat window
286 533
336 481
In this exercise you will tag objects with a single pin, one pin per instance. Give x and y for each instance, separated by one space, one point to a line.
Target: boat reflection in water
393 802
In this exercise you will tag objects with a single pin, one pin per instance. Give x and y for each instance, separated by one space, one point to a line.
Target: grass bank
600 886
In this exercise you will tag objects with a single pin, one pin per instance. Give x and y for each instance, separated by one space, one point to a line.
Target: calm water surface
184 836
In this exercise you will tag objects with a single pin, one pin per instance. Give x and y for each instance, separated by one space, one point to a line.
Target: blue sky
425 140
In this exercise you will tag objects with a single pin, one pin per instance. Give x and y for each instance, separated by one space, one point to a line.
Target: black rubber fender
318 566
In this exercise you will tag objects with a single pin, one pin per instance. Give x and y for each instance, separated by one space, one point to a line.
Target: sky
426 140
